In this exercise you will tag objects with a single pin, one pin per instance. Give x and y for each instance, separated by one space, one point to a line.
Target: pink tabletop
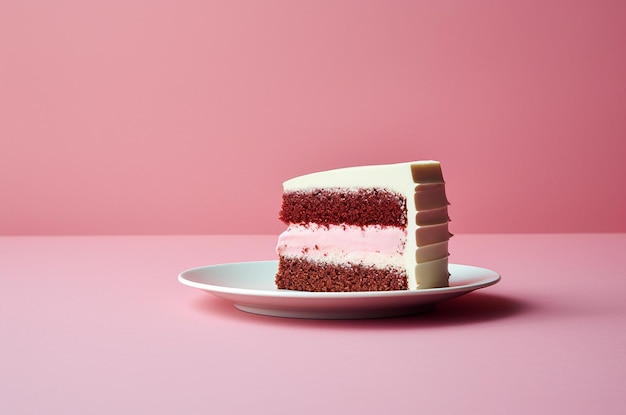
100 325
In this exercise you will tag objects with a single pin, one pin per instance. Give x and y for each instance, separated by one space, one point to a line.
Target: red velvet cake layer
351 207
301 275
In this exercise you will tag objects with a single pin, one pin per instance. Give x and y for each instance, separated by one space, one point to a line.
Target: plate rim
491 279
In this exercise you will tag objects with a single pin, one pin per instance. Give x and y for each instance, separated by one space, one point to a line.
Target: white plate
250 287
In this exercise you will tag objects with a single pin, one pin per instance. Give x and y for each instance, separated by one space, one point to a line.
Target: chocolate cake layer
352 207
298 274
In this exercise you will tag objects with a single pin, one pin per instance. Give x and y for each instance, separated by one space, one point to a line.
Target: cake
365 228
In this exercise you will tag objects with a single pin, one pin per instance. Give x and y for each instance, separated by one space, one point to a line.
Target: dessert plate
250 287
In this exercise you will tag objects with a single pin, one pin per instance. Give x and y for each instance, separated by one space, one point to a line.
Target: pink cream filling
376 245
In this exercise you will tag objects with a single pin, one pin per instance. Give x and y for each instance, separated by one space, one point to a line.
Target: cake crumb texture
345 206
301 275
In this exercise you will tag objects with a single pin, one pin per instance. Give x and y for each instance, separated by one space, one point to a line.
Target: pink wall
174 116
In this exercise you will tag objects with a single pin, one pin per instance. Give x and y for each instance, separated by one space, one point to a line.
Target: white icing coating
397 178
431 252
430 274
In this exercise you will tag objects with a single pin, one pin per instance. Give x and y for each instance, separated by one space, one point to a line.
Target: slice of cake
366 228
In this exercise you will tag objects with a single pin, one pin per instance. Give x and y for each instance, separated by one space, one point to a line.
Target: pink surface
165 116
100 325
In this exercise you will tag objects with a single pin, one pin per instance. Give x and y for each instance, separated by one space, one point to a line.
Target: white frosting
431 252
397 178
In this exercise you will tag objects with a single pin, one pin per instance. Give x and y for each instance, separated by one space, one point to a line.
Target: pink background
99 325
173 116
